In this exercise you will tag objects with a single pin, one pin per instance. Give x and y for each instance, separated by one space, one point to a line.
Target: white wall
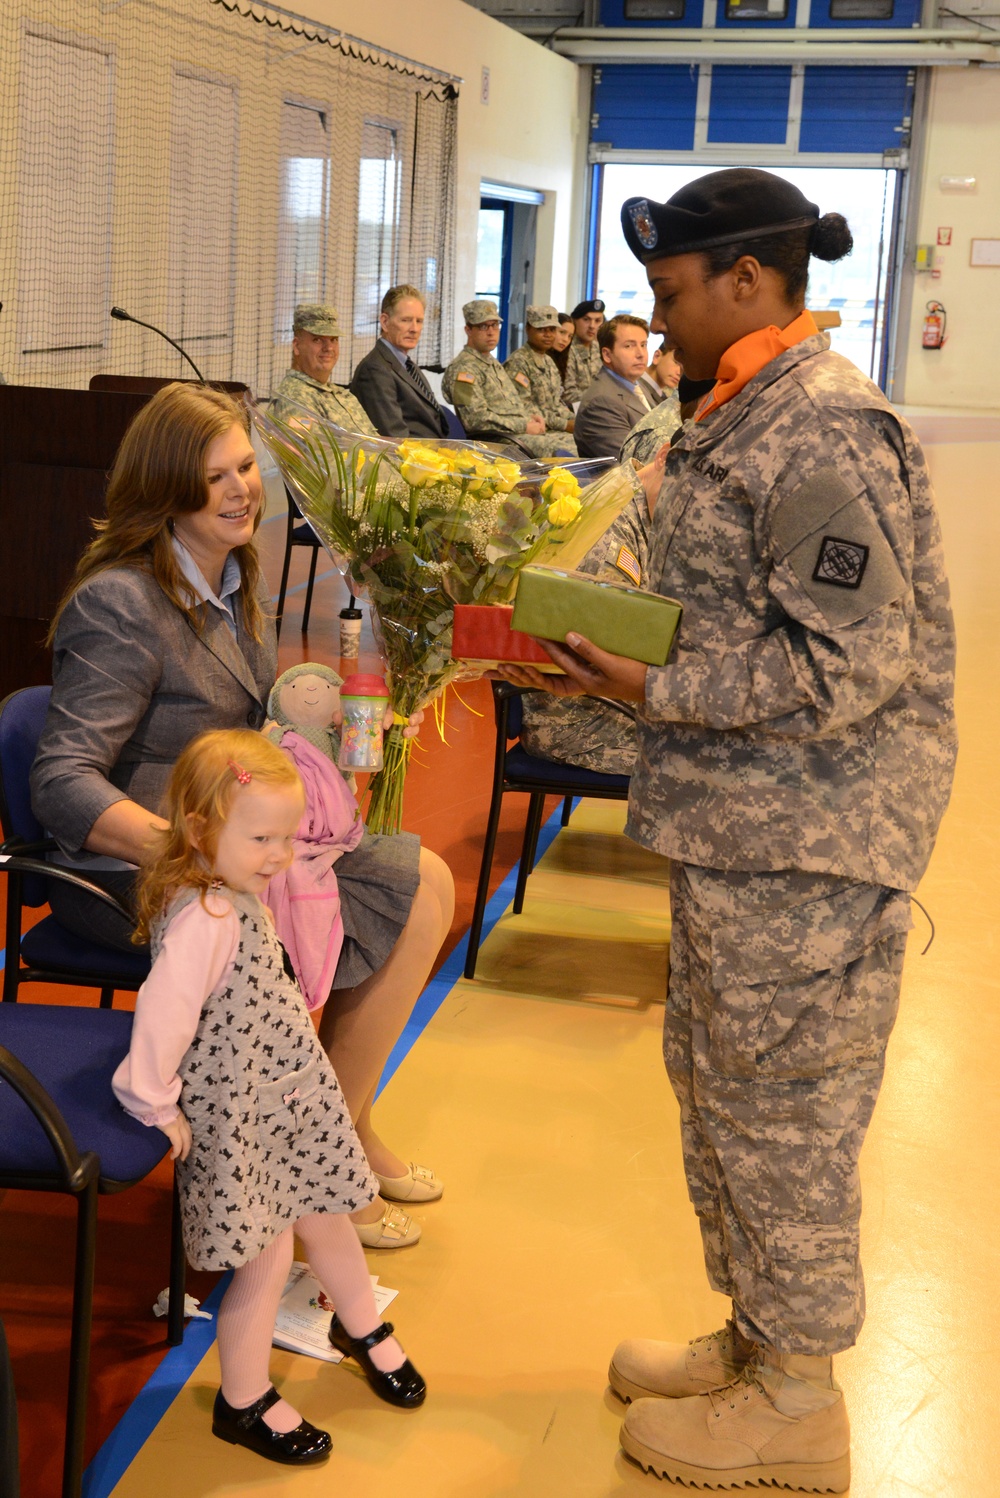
962 139
532 133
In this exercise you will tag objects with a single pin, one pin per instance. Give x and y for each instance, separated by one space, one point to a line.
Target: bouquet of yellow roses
421 526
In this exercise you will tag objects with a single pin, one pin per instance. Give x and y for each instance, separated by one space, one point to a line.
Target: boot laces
740 1390
707 1344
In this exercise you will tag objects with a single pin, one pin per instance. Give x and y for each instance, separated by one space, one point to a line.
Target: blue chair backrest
22 717
455 427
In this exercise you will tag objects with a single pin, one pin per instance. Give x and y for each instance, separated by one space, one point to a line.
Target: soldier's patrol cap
480 311
582 308
318 318
542 317
720 208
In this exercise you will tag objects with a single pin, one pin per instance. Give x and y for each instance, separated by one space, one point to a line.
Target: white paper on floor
303 1318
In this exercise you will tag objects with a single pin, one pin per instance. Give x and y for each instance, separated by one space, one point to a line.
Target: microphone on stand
123 316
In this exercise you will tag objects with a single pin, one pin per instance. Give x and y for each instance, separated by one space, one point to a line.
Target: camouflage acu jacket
588 731
648 435
583 366
537 378
484 395
806 720
334 402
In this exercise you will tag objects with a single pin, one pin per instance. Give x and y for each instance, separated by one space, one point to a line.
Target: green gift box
623 620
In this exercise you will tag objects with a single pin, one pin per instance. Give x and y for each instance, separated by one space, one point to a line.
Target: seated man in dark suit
612 405
389 383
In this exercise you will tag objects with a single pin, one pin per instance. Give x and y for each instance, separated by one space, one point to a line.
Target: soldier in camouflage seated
315 351
490 405
597 733
535 373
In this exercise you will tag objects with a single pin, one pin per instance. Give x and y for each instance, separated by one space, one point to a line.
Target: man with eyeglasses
489 404
315 351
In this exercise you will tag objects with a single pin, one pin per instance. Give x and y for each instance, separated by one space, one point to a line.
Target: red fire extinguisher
934 325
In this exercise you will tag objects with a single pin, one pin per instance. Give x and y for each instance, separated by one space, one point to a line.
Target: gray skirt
377 883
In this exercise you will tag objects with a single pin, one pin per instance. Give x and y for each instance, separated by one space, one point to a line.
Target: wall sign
985 252
944 236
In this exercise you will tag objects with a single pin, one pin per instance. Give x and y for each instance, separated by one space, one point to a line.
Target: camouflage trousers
783 993
548 444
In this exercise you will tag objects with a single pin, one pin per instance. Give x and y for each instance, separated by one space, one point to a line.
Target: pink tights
249 1306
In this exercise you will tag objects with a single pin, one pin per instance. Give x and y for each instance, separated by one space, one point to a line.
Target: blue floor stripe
149 1407
151 1404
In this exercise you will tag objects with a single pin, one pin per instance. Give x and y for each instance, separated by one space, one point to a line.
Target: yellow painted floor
538 1093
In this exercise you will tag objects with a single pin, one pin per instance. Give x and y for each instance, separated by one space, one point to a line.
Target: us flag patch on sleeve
628 563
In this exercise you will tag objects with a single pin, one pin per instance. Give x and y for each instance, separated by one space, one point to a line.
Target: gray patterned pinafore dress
272 1140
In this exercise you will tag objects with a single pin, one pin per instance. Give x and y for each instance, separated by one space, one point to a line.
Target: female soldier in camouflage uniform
795 758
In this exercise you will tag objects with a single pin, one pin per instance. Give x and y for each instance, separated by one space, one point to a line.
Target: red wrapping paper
483 633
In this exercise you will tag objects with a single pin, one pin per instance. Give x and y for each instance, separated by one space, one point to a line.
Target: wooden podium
56 447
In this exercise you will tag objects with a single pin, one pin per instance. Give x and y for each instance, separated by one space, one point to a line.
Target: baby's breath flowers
424 525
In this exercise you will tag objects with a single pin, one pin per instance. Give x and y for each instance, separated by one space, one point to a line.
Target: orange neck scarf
748 356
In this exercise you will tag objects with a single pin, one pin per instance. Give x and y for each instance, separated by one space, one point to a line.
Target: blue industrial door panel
749 105
646 108
855 109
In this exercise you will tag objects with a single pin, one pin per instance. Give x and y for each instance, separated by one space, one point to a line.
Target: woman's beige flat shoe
418 1185
394 1229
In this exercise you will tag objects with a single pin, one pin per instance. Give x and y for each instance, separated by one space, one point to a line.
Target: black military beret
720 208
582 308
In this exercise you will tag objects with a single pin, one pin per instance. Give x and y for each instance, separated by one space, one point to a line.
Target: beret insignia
643 224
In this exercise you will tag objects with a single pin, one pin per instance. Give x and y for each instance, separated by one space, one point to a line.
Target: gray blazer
399 403
133 683
605 416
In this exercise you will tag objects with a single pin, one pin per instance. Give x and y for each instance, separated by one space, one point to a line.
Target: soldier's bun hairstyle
829 238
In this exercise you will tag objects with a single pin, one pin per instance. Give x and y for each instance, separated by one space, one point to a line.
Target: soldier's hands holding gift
589 671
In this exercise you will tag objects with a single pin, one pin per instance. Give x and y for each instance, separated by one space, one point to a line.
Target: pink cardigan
305 900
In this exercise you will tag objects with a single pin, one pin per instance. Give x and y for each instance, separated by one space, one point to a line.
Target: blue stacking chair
298 533
61 1127
514 769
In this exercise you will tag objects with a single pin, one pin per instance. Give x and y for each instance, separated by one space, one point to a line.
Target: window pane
65 196
202 219
302 221
378 224
489 253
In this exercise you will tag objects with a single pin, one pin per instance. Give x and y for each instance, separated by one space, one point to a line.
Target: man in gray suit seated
612 405
388 382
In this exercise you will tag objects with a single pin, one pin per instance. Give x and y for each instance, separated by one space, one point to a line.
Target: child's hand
411 731
179 1134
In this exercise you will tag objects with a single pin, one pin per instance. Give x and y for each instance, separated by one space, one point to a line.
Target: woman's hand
589 671
179 1134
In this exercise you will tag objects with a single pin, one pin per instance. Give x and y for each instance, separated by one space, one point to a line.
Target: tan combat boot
781 1423
675 1370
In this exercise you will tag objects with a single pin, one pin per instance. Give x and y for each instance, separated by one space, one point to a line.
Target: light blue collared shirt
400 353
625 384
232 581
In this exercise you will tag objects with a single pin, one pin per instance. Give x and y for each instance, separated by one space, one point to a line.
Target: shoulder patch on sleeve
626 561
469 379
522 379
826 533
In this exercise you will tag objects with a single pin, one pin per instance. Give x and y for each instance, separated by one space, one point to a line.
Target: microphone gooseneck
123 316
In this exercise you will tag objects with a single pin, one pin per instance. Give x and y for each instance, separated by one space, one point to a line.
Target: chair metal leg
483 887
107 998
309 590
178 1274
532 827
79 1351
283 586
567 811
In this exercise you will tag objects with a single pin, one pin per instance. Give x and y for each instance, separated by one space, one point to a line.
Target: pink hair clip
243 776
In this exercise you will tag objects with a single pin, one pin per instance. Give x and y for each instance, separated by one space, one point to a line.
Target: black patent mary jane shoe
403 1386
295 1448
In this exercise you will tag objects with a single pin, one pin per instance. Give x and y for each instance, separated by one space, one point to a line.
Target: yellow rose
564 510
422 465
508 473
560 484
